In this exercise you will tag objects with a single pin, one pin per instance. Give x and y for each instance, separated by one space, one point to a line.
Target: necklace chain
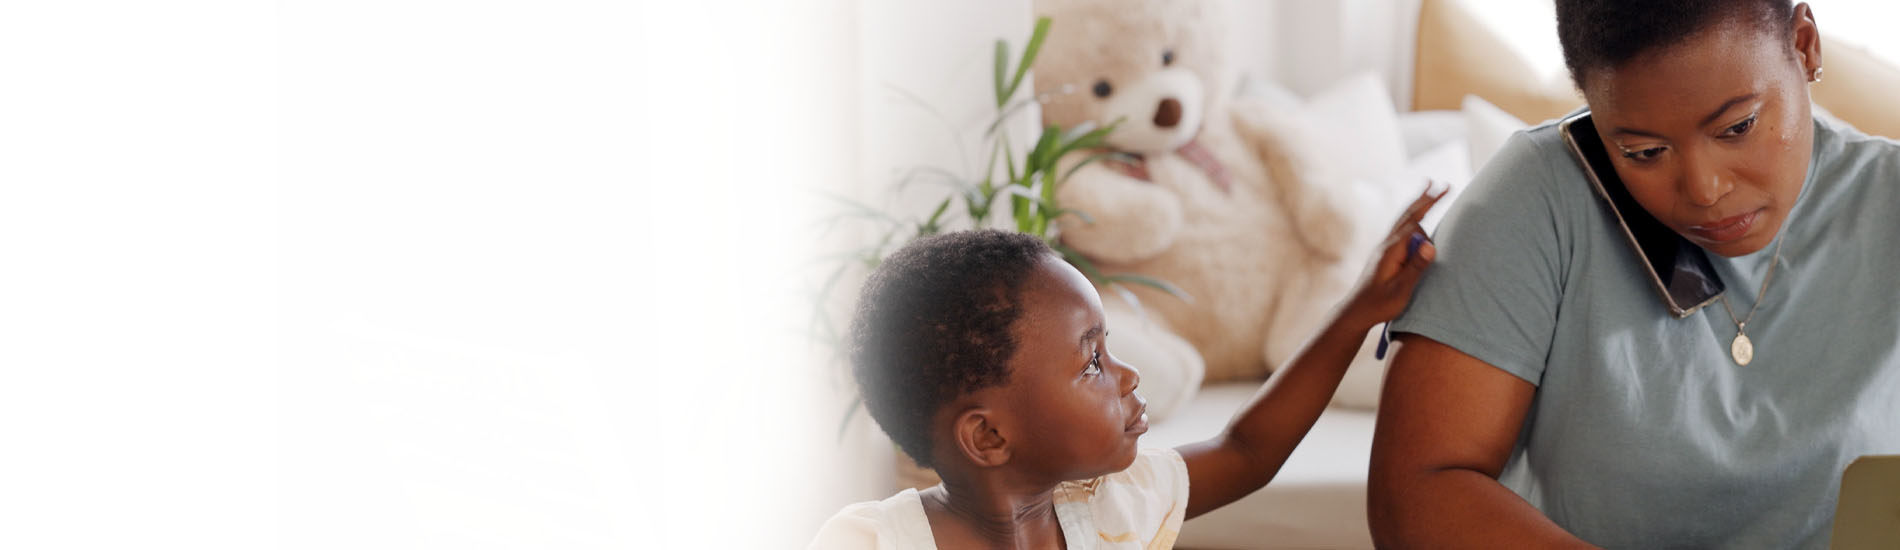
1742 324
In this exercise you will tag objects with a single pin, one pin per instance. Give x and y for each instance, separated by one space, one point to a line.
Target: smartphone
1678 269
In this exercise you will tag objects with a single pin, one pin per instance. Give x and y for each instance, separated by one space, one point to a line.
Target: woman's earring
1815 76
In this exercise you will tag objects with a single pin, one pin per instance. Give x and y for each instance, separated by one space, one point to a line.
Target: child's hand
1394 274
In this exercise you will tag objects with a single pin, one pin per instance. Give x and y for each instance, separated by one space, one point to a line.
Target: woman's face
1713 136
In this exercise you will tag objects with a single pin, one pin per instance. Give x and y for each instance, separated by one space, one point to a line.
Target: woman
1544 397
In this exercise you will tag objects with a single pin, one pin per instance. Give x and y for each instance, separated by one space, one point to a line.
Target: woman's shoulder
1852 171
1850 152
1538 154
1532 178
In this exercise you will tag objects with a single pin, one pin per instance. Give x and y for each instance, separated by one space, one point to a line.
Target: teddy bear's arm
1128 220
1311 199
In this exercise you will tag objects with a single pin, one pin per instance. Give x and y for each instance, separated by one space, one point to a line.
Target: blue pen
1385 333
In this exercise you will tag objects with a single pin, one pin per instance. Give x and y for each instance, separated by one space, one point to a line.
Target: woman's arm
1447 424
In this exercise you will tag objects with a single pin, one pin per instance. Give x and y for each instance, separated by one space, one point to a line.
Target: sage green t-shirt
1644 432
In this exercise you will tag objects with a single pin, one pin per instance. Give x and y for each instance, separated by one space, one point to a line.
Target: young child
984 356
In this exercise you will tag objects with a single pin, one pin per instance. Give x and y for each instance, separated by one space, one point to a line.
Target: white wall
925 84
923 98
1319 43
1867 23
413 273
540 285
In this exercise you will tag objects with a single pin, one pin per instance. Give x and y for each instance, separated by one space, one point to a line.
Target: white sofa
1318 500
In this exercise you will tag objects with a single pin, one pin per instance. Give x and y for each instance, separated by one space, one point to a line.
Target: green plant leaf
1060 212
1129 296
1008 159
876 255
932 174
977 206
830 223
1090 139
853 210
1019 207
1094 274
1049 186
1047 210
1079 130
980 213
989 167
1003 115
1080 262
1151 282
930 225
951 131
1092 159
1029 55
858 208
1014 189
850 411
1042 155
1002 67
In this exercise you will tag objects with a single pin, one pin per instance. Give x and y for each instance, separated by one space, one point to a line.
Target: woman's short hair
1604 34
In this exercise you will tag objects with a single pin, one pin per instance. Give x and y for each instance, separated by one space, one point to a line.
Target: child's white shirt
1138 508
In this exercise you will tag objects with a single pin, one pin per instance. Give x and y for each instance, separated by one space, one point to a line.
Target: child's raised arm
1257 442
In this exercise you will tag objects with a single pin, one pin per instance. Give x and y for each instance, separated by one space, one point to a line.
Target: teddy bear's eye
1167 57
1102 89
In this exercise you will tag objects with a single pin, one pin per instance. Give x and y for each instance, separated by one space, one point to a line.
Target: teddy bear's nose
1168 114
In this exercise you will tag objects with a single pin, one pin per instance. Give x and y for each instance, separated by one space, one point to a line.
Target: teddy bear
1209 193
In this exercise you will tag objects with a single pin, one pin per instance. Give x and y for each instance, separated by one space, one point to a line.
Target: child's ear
978 439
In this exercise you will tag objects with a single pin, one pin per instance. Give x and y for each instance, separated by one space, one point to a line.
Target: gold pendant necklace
1743 349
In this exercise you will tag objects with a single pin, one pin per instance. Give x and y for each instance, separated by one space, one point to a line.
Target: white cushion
1318 499
1487 127
1426 130
1355 130
1271 93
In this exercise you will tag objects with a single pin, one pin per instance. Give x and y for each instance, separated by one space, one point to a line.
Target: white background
424 274
372 274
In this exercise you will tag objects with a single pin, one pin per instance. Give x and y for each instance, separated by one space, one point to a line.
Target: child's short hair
933 324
